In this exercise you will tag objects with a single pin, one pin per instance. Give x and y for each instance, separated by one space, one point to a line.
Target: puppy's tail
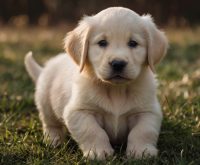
32 67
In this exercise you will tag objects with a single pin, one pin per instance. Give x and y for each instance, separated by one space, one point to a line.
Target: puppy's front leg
84 128
143 136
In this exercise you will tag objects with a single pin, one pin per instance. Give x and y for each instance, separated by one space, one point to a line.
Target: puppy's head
116 44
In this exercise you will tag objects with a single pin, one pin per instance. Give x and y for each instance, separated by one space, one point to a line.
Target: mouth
118 79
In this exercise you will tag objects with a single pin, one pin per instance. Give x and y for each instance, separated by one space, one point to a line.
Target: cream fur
99 111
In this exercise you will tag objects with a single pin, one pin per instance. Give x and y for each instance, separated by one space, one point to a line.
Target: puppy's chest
114 111
117 103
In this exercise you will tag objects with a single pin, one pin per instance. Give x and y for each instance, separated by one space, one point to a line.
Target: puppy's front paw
99 153
138 152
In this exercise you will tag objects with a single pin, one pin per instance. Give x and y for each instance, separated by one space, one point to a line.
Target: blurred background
52 12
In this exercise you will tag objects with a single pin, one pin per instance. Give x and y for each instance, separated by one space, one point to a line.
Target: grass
21 140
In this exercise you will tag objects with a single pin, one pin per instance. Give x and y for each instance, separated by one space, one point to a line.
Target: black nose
118 65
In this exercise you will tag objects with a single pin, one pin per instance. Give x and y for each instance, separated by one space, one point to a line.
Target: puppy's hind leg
54 131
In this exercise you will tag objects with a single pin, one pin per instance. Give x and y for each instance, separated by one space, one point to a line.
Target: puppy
103 90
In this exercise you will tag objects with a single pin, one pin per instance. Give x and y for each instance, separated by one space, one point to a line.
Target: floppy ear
76 43
157 43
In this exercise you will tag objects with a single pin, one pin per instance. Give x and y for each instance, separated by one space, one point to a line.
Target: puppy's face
117 46
118 43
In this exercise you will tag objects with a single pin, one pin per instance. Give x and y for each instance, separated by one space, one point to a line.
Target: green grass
21 140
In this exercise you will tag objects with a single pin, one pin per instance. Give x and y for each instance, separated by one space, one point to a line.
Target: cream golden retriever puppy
103 90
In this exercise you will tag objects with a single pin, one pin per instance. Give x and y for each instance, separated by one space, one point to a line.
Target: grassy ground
21 140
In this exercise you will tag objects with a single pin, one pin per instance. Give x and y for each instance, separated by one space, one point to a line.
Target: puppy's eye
132 44
103 43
